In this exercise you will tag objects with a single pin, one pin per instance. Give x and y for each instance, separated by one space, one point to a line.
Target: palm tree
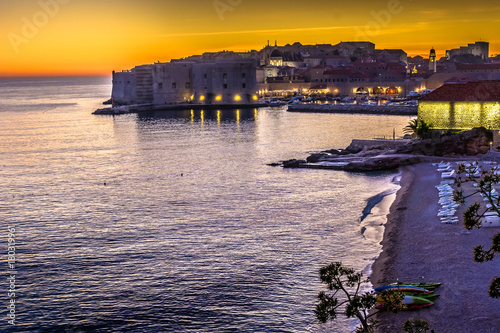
412 127
419 128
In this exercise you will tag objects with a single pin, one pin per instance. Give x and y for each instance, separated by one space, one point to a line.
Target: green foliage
416 326
419 128
411 128
345 298
476 212
392 300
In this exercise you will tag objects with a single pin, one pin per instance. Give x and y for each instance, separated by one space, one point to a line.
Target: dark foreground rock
380 163
293 163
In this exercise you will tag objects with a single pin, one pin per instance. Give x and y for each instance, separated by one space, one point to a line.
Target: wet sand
418 248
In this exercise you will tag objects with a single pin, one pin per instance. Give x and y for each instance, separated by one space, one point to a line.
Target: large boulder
293 163
354 148
379 163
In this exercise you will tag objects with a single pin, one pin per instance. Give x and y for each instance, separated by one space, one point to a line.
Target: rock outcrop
358 158
380 163
293 163
467 143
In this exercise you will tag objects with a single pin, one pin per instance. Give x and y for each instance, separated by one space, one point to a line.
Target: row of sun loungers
448 207
446 169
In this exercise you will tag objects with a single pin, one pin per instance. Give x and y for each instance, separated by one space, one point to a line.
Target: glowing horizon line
252 31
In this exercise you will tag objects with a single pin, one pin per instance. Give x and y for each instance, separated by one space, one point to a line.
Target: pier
139 108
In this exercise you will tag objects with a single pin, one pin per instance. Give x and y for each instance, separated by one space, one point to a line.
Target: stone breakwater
403 110
126 109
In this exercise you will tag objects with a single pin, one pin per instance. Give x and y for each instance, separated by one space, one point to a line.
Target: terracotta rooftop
480 91
338 72
394 51
459 79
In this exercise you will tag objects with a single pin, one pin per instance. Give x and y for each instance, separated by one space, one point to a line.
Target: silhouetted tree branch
476 212
344 299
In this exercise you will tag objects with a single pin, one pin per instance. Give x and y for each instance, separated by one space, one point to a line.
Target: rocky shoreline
379 155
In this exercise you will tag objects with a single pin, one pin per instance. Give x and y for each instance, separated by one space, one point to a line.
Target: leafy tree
476 212
346 299
416 326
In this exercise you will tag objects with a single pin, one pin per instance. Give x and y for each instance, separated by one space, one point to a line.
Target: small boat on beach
431 297
425 285
408 303
403 288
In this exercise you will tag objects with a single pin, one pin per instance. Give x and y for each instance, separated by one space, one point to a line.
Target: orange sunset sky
94 37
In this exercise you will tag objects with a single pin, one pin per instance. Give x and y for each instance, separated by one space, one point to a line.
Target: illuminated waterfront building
462 106
195 80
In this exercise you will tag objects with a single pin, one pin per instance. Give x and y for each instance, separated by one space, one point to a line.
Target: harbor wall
363 109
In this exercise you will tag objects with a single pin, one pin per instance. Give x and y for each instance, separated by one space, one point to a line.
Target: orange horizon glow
93 38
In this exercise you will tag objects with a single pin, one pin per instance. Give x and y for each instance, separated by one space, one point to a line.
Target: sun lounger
450 174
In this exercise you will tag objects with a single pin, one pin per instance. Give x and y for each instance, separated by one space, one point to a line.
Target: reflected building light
192 116
238 116
218 117
255 114
202 117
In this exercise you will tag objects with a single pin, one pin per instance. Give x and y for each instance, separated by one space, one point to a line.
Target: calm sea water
173 222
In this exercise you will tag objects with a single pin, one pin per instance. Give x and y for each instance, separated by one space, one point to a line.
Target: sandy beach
418 248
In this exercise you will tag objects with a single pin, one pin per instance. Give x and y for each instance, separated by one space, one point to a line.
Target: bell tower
432 61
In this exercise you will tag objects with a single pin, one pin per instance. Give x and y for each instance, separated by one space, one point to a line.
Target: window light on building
218 97
237 97
202 98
